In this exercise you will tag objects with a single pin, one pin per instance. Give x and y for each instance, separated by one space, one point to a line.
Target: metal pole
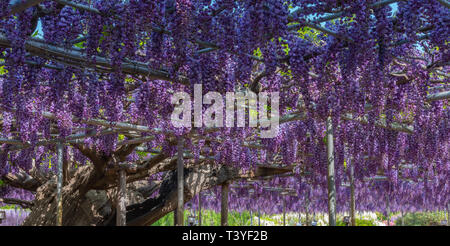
67 164
180 184
330 177
352 196
59 207
448 214
199 209
299 217
307 211
259 217
224 205
388 210
121 218
284 211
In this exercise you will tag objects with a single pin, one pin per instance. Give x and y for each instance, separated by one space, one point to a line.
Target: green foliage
3 71
381 216
364 222
359 222
211 218
81 45
422 219
35 33
257 53
8 207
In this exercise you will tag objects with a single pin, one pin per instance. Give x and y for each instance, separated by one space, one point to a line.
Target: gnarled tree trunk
89 196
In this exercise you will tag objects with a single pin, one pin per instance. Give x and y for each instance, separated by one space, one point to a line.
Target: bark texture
89 193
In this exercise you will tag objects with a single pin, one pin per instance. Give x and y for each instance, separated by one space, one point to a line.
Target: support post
259 217
330 176
388 210
59 208
448 214
180 184
67 164
224 204
284 211
352 196
200 209
307 211
121 218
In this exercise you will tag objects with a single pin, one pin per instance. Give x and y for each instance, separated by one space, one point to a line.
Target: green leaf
257 53
35 33
80 45
3 71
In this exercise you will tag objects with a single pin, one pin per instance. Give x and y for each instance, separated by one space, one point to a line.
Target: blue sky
394 7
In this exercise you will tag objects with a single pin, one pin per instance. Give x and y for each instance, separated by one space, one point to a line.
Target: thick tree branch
23 203
197 179
21 180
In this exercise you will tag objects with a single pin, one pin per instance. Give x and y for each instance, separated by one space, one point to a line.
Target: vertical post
352 196
121 218
307 211
59 206
284 211
180 183
259 217
67 164
330 176
448 214
200 209
224 204
388 210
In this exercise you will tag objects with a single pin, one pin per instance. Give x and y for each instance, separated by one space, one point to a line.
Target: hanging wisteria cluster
101 73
